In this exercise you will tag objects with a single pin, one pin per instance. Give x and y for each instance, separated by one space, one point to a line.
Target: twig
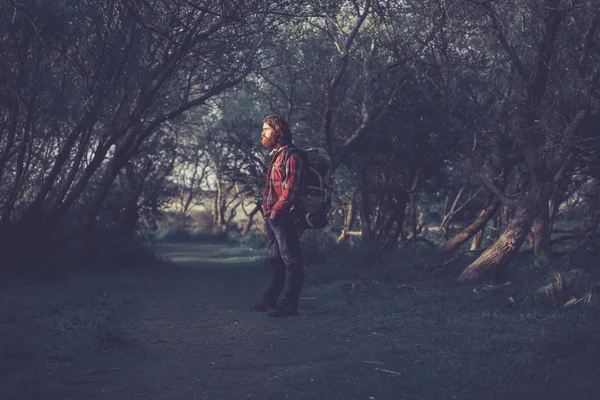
104 370
387 371
75 382
407 287
369 278
315 282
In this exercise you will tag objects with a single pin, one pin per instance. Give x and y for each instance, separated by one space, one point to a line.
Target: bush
327 261
253 240
117 247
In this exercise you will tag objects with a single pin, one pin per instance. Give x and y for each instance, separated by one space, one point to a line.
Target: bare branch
333 84
508 202
497 28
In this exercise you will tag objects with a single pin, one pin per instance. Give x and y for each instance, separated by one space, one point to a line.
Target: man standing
283 241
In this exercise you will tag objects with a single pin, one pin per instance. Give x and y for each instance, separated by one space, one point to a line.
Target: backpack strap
286 155
287 152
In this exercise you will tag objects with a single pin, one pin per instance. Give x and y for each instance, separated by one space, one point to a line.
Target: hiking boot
284 310
263 306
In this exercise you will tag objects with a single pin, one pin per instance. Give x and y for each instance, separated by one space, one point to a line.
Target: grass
384 331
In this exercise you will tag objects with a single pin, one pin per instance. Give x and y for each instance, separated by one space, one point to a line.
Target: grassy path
185 333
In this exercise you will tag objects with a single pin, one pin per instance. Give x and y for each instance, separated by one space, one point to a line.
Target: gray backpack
314 200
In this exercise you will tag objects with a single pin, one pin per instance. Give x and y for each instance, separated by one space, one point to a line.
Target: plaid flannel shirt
283 181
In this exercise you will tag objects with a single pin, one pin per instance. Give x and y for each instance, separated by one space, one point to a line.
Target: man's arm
293 169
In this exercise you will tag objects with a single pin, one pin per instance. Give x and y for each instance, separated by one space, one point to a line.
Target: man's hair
281 127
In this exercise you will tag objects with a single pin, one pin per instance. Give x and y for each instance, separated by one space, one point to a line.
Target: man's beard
269 143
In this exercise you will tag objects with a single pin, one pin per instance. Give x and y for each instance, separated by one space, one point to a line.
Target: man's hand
273 215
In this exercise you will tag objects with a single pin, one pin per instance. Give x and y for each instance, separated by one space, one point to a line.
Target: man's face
269 137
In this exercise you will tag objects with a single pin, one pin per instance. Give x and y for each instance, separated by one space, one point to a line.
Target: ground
184 331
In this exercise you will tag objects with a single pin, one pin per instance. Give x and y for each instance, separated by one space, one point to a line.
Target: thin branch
587 44
508 202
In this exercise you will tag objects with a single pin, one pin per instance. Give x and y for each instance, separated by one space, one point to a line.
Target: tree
545 127
85 87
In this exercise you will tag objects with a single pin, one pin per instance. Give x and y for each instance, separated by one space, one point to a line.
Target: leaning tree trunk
250 220
467 233
510 241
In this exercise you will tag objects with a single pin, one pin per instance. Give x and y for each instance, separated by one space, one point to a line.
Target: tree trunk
365 226
93 208
395 231
250 220
409 220
468 232
348 220
541 231
413 219
496 225
9 139
505 217
476 243
188 201
591 217
135 185
217 205
510 241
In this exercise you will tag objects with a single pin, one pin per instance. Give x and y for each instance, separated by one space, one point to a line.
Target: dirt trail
201 342
179 332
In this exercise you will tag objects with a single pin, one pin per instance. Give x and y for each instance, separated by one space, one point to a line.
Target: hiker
283 239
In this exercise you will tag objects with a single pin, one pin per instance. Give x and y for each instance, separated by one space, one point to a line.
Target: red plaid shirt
283 181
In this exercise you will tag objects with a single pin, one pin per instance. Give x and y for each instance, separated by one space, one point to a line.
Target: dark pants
283 243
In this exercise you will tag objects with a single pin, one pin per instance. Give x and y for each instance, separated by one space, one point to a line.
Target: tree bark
541 231
510 241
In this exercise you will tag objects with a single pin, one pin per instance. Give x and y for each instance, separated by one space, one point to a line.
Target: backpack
314 200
